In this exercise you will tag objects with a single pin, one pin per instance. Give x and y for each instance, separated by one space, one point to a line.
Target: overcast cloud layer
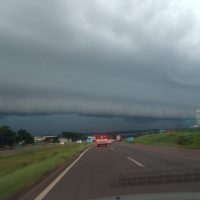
114 58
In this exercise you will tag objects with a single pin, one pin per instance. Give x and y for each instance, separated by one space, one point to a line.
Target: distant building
198 117
38 139
64 140
162 131
41 139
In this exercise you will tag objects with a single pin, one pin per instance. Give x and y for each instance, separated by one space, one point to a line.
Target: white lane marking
179 156
189 158
135 161
51 185
112 148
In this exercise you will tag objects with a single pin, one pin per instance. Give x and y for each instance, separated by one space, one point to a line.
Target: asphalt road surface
129 169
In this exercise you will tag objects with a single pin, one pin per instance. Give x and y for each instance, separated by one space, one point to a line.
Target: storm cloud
114 58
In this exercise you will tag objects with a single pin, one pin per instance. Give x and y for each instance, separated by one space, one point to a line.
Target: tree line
8 137
73 135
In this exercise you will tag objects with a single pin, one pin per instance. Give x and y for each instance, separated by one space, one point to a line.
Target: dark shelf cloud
124 59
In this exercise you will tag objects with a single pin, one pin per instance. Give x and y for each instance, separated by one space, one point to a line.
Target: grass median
176 139
23 169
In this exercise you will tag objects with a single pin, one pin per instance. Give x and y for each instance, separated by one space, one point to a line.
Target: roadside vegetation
186 139
22 170
9 138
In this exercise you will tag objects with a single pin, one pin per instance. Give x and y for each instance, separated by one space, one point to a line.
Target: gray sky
75 61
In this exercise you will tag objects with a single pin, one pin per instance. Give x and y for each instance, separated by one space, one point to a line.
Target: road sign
130 138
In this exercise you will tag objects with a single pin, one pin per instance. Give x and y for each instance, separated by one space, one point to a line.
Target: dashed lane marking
135 161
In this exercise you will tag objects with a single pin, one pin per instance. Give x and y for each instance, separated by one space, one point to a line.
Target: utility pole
2 142
164 120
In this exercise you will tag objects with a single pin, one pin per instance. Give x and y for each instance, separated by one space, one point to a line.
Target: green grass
21 170
178 139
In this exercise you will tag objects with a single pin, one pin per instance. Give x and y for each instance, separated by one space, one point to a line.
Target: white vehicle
118 138
102 140
109 141
79 141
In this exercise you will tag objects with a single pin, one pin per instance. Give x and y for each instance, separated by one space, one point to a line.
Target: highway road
129 169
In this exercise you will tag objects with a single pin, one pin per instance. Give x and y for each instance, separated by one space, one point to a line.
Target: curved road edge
34 191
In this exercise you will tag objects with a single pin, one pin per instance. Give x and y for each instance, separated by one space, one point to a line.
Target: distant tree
24 136
84 136
47 139
7 136
55 139
71 135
